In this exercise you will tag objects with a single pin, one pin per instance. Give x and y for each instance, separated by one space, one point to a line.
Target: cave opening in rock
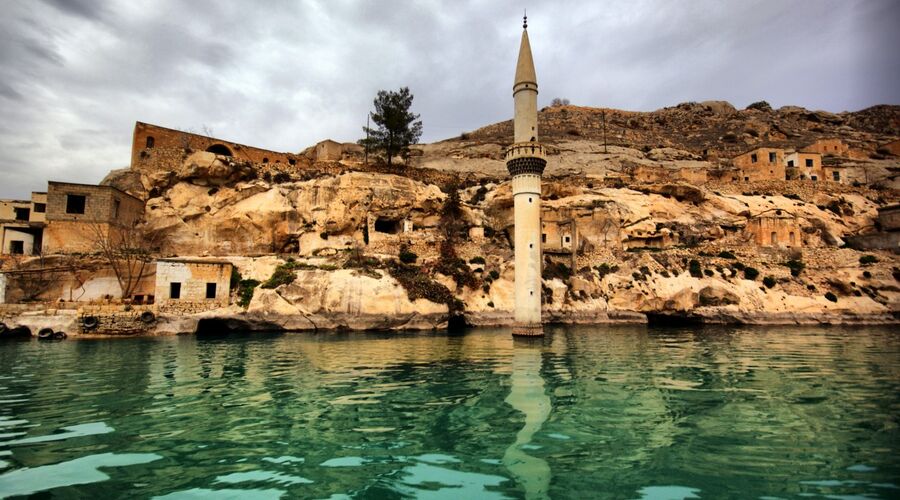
219 149
385 225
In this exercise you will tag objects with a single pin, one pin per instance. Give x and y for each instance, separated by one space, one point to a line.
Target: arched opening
265 160
150 141
219 149
774 238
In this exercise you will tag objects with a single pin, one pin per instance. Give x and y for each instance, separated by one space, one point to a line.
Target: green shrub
725 254
708 272
419 285
245 292
830 296
694 268
604 269
235 278
494 275
323 235
769 282
283 275
867 275
750 273
739 266
476 260
795 266
868 259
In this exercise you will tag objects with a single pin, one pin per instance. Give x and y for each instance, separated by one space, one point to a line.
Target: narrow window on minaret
529 200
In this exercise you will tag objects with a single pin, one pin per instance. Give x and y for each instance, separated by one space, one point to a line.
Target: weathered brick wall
160 149
193 276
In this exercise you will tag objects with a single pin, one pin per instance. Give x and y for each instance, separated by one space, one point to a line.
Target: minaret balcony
524 150
525 158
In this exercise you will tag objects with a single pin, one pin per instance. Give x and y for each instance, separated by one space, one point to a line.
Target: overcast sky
76 74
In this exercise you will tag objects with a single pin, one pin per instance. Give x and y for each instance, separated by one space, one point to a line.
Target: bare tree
127 251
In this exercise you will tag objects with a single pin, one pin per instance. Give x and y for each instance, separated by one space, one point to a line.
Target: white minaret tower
525 161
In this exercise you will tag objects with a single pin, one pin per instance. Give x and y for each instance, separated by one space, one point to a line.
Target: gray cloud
76 75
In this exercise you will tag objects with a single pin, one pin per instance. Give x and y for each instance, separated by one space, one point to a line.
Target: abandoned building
559 234
827 147
192 285
22 225
665 173
802 165
775 228
761 164
77 212
156 149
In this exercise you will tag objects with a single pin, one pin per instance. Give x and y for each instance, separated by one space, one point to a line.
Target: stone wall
160 149
117 319
832 147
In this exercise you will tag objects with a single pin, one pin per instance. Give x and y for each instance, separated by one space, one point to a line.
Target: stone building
329 150
775 228
76 212
761 164
802 165
665 173
889 217
828 147
192 285
161 149
22 224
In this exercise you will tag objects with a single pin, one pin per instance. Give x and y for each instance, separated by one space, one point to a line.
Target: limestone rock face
258 218
344 299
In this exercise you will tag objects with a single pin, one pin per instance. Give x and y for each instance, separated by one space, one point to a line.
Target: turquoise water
588 412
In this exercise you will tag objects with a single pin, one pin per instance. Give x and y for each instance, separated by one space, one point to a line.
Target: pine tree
396 127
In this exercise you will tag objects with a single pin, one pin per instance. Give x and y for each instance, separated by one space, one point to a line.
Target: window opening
210 290
75 203
174 290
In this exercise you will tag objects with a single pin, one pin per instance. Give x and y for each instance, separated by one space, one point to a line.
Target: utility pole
367 139
603 115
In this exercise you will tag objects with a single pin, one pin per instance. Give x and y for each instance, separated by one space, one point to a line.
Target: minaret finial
525 20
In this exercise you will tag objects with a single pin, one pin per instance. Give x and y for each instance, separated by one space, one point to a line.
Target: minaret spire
525 161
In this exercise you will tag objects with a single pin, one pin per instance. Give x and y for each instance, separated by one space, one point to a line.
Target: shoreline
69 321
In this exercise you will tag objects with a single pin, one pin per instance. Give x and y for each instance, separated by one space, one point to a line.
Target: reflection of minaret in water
527 396
525 161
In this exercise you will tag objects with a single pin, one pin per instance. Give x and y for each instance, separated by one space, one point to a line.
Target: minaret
525 161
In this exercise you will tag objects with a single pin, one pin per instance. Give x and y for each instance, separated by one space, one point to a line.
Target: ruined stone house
77 212
761 164
161 149
803 165
192 285
22 225
828 147
775 228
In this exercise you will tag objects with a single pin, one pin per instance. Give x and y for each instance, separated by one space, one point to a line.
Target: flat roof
194 260
63 183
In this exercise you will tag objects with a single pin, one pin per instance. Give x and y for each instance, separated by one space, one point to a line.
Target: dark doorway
219 149
174 290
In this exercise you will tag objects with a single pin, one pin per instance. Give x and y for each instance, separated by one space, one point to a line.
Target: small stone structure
775 228
76 212
761 164
329 150
192 285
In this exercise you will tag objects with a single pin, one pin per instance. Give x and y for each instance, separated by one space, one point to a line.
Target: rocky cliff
431 240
